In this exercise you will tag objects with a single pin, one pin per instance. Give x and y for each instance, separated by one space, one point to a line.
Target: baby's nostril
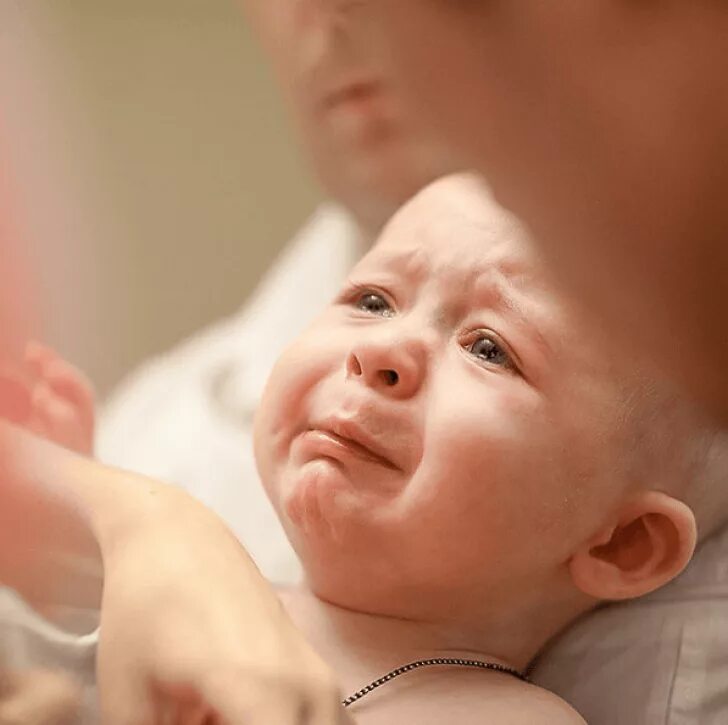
390 377
354 365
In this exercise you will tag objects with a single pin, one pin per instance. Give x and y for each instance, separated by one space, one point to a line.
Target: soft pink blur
16 310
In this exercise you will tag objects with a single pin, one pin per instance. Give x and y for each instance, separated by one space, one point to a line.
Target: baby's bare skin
360 648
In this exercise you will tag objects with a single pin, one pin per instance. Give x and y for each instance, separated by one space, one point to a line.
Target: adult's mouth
359 95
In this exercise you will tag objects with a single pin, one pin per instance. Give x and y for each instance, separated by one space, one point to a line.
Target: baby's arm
61 400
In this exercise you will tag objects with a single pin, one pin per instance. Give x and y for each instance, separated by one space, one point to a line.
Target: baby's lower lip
336 444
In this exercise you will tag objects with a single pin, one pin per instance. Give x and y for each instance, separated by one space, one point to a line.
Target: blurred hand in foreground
38 697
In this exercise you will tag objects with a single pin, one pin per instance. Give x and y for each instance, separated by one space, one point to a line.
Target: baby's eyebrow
495 289
411 261
482 294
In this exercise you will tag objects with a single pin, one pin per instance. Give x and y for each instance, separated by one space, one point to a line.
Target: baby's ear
649 543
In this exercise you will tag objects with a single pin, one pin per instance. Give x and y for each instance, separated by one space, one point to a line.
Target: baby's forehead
456 241
456 234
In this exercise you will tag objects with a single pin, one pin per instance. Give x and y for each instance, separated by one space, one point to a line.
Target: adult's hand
190 631
38 697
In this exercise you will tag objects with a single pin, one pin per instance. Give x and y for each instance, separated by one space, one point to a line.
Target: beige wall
171 176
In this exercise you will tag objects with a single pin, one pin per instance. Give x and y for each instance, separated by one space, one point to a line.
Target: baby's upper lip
355 435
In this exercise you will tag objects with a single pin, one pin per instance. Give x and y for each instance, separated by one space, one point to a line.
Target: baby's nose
396 371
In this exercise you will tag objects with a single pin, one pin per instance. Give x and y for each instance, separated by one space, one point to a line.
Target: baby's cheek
489 449
284 407
298 372
484 424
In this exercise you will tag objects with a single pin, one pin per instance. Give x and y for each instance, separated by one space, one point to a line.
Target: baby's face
444 427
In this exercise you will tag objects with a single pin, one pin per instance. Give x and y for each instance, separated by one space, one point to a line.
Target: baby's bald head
677 448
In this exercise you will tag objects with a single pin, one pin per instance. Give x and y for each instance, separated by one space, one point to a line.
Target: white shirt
27 640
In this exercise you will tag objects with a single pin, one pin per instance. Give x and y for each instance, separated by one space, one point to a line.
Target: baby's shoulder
470 701
531 705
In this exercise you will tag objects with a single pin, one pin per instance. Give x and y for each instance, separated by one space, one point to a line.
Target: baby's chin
317 496
320 505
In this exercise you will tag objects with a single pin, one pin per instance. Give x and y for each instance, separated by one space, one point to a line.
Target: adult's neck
370 216
368 231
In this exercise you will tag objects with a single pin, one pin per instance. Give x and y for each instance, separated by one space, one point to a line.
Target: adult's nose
328 9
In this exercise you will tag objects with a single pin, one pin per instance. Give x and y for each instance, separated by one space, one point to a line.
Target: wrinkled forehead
456 234
468 253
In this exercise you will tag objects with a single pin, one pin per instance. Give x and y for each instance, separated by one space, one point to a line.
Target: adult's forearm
61 515
184 607
45 528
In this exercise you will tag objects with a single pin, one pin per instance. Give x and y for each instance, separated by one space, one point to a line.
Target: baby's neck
362 647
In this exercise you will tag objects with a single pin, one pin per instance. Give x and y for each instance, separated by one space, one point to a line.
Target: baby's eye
373 303
491 351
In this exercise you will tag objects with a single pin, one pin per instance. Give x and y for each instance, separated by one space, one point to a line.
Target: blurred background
157 174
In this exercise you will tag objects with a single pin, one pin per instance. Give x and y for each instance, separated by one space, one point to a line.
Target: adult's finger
241 699
15 398
38 698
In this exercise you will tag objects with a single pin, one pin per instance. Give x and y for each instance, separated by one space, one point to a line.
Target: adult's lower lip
361 96
336 444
